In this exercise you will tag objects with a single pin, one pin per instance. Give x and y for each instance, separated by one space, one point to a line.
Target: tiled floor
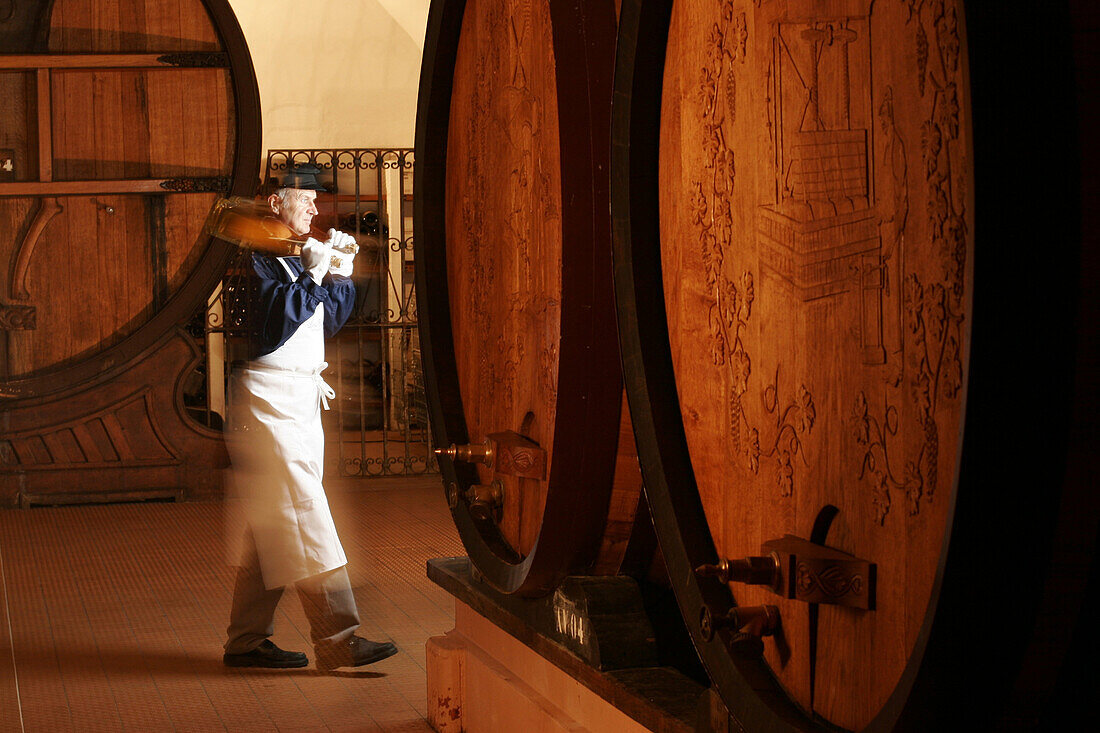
112 618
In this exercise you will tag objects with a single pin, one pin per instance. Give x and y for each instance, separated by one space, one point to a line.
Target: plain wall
335 73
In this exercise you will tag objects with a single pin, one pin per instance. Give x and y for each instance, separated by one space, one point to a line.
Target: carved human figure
893 223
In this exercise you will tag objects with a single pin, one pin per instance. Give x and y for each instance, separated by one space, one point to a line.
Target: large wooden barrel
849 259
516 304
122 122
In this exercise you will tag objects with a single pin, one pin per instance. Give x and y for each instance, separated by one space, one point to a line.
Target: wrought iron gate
378 425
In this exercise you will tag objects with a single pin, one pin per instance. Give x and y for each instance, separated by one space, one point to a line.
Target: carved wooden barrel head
795 253
122 124
516 303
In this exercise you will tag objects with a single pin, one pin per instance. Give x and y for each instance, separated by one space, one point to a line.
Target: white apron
277 446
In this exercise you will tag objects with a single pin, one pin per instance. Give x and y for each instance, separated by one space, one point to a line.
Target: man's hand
344 249
315 258
342 242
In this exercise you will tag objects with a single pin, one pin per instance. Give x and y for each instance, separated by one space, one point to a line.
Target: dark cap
302 177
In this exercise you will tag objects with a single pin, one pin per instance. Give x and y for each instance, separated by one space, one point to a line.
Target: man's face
297 211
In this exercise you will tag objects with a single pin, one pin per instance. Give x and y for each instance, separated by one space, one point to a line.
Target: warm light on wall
333 73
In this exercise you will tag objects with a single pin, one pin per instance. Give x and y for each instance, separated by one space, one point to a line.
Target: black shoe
266 655
353 652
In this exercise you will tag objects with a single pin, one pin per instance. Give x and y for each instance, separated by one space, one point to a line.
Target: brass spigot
755 570
746 621
470 453
486 501
754 620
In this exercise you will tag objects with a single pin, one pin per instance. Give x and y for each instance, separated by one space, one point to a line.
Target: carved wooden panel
504 245
816 247
120 437
125 431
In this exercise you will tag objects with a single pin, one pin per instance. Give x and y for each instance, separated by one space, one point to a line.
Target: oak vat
516 306
123 122
837 325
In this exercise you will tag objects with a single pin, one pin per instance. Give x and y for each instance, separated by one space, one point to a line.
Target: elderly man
277 449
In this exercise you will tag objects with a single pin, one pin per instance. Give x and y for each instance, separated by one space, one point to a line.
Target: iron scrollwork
377 371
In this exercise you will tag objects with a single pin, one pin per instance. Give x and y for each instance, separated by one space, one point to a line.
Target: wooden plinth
552 664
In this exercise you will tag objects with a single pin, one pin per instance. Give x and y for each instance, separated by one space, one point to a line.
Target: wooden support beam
24 189
110 60
45 125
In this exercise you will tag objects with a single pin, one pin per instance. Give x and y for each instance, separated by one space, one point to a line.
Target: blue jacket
279 305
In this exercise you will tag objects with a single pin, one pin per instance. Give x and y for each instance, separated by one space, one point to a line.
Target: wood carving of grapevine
731 306
933 313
